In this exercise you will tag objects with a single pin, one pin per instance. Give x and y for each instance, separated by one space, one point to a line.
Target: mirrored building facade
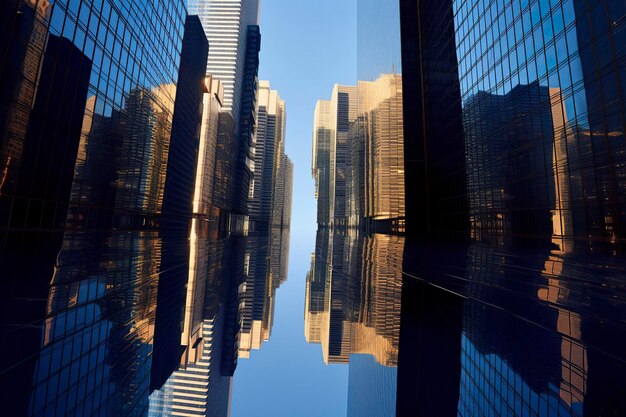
558 64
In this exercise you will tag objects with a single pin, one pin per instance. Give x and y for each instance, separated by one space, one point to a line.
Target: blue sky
307 47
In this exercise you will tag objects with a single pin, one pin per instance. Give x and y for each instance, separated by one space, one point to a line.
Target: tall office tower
234 37
268 154
247 118
87 111
342 115
176 216
436 198
226 24
321 161
565 122
332 155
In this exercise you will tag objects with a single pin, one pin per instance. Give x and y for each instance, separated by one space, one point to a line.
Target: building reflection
265 269
200 384
352 308
466 330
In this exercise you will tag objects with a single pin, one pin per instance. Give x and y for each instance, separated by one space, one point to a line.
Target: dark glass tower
178 194
88 94
436 199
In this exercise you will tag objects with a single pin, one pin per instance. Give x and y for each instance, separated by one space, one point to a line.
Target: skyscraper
320 168
283 194
234 37
377 189
332 154
343 111
268 154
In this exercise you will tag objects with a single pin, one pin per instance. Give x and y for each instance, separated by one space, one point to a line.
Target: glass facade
540 86
88 102
471 208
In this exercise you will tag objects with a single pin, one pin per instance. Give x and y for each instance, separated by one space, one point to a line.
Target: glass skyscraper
87 137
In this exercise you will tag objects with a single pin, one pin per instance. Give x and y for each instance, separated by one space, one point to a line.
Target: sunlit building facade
206 171
377 150
232 28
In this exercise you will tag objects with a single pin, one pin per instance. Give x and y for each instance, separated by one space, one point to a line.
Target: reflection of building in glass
353 296
200 386
555 114
144 150
497 349
574 361
377 328
99 326
49 153
24 33
178 196
97 136
505 137
265 263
